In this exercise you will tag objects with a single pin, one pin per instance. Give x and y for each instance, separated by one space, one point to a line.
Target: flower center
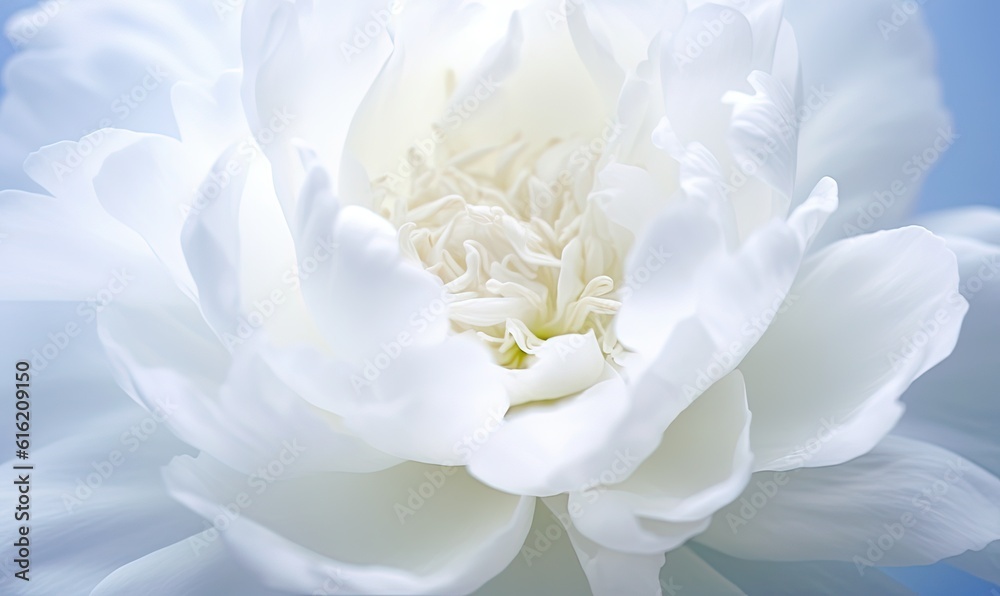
524 255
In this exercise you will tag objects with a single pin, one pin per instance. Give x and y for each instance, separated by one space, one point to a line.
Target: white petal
157 168
694 82
60 343
210 117
59 249
97 501
883 82
765 124
864 319
196 565
603 424
955 405
698 276
433 404
234 407
562 366
905 503
550 449
411 529
626 31
83 421
547 563
629 196
314 61
609 571
362 293
210 240
702 464
114 79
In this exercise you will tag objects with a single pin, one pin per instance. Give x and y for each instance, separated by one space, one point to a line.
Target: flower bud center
524 255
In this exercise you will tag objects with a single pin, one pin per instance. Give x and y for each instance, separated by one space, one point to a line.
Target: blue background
968 45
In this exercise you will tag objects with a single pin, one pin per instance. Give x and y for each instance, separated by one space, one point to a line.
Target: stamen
499 243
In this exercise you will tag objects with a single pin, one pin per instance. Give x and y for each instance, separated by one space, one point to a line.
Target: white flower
431 288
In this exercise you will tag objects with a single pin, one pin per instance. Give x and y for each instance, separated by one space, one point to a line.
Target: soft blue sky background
969 65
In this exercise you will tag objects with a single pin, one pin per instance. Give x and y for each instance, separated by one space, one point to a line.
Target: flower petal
115 79
904 503
315 61
184 567
413 528
609 571
564 365
955 404
700 275
547 563
42 239
232 406
549 449
702 464
599 425
693 86
432 404
882 309
362 293
158 168
883 82
97 501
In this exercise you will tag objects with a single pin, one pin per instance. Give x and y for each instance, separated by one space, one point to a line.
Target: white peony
437 294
